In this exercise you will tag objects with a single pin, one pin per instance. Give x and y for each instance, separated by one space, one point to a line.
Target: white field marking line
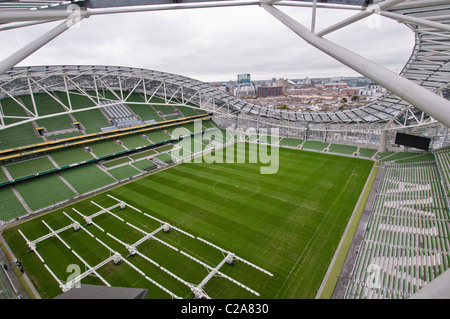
301 255
139 271
88 220
309 242
289 202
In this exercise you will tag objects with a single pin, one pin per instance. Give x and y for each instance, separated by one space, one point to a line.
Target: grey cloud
212 44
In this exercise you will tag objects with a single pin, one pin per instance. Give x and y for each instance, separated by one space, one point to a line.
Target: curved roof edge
428 66
6 5
121 3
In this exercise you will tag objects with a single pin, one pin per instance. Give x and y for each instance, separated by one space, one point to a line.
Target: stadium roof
427 69
53 4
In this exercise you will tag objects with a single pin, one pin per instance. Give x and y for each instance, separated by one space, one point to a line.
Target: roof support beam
60 14
38 15
422 98
313 18
417 21
23 24
35 45
361 15
419 4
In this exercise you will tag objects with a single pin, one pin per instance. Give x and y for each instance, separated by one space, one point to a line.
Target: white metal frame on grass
32 244
197 289
65 286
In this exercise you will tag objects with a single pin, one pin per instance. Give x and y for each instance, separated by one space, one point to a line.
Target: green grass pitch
288 223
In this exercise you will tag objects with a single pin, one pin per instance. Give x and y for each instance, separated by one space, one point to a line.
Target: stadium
126 182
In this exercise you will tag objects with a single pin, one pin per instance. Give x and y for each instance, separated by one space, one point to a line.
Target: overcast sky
215 44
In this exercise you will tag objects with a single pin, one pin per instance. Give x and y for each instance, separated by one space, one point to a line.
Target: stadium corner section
337 263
